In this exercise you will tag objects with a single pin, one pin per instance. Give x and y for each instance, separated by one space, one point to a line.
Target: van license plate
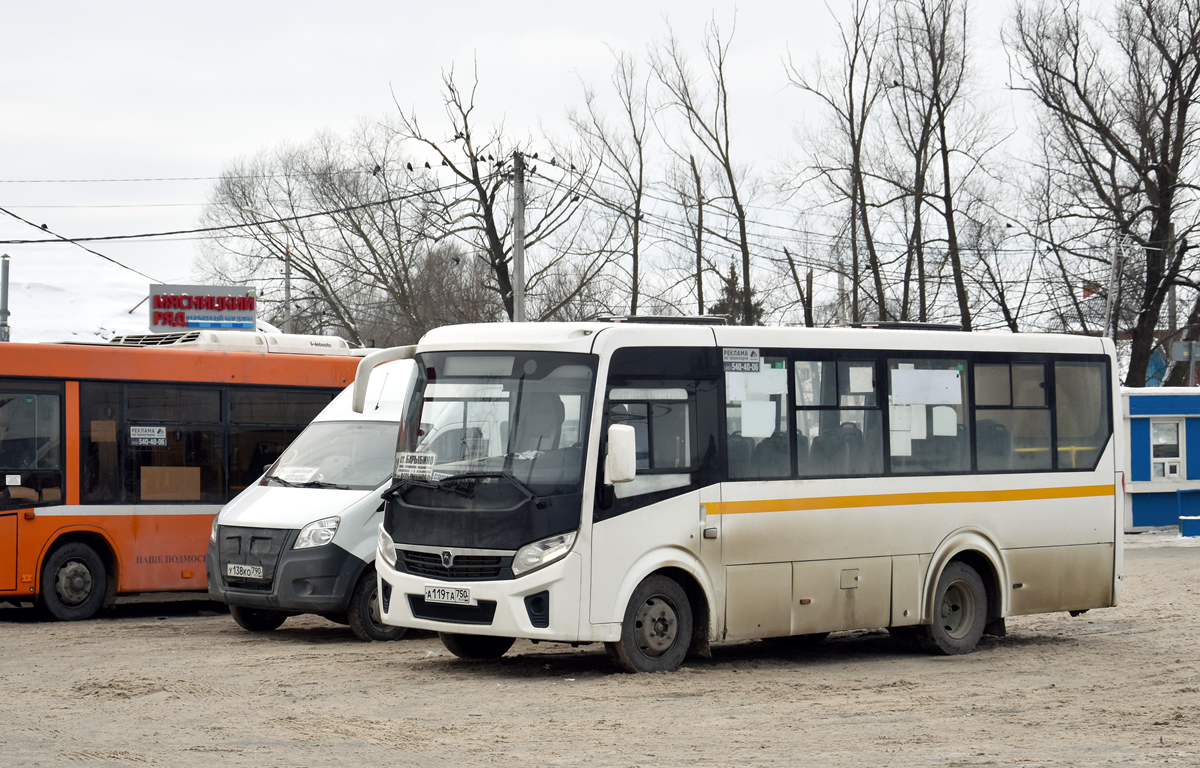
243 571
452 595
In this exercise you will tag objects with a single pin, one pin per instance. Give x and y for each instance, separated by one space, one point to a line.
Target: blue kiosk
1162 465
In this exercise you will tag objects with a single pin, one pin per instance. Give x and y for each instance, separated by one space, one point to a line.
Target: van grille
465 567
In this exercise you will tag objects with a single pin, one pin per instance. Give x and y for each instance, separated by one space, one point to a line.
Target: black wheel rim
656 626
957 610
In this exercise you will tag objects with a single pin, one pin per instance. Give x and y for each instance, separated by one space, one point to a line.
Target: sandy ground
176 683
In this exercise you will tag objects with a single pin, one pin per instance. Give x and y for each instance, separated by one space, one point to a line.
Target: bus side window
663 421
1012 417
1081 413
30 449
928 416
838 422
100 422
756 423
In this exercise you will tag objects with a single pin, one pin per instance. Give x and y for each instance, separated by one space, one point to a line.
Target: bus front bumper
505 608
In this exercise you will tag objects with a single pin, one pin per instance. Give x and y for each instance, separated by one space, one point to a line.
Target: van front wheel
257 619
364 615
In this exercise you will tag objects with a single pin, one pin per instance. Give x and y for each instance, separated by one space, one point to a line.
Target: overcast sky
155 90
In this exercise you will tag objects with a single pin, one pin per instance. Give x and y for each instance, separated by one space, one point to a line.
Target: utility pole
518 237
287 286
699 237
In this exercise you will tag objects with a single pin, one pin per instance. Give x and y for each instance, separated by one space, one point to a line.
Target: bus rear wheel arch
656 632
960 612
74 582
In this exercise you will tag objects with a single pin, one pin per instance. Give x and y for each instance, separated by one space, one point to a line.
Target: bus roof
596 336
180 364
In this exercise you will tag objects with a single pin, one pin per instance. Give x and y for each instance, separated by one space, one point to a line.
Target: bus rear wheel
657 628
257 619
364 617
959 612
74 582
475 646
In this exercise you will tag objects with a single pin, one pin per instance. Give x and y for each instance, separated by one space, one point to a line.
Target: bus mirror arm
368 364
620 465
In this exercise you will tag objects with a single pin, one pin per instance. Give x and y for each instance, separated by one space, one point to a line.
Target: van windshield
348 455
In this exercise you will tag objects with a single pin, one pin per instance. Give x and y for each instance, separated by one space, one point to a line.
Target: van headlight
317 534
387 547
542 552
212 535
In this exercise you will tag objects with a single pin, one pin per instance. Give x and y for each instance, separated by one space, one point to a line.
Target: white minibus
660 487
302 539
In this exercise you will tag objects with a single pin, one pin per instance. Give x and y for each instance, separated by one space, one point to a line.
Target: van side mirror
620 465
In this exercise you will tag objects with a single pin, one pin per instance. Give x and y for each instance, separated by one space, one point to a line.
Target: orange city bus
116 457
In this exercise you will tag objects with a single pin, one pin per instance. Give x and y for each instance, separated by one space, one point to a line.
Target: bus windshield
347 455
515 418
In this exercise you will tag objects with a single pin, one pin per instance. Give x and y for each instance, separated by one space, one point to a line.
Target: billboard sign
176 307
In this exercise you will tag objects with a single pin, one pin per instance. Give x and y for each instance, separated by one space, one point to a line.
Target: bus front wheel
475 646
959 612
257 619
657 627
73 583
364 616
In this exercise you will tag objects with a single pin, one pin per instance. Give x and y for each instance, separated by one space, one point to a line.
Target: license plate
243 571
453 595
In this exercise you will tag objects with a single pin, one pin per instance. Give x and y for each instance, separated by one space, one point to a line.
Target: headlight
542 552
212 536
387 547
317 534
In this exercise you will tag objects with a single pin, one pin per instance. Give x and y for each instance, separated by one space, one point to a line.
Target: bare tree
706 116
618 149
467 202
851 90
350 225
1120 136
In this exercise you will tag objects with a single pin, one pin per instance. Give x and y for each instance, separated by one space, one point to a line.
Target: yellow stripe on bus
906 499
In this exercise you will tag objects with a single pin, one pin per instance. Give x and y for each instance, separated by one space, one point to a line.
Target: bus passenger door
8 552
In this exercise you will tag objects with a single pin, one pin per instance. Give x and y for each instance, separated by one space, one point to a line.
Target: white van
303 538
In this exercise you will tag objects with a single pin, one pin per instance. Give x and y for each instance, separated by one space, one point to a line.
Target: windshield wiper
281 481
530 494
323 484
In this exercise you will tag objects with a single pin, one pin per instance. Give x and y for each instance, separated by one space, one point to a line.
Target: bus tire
657 628
257 619
364 616
74 583
475 646
959 612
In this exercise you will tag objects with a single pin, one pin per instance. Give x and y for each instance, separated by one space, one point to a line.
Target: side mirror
620 465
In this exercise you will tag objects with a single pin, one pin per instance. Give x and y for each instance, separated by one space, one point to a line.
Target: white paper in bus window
945 421
768 381
901 419
901 443
917 422
862 378
927 387
735 386
758 418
